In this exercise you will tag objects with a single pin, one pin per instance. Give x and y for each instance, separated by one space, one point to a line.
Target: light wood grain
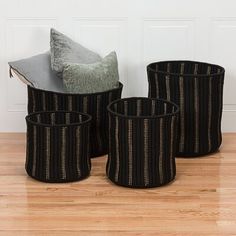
201 201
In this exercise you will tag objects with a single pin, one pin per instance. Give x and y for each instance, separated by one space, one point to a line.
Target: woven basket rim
143 117
78 94
28 120
186 75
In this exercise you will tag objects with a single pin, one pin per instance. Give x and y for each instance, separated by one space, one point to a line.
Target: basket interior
186 67
143 107
58 118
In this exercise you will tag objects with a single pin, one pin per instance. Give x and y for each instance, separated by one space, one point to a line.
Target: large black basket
94 104
142 141
58 147
198 90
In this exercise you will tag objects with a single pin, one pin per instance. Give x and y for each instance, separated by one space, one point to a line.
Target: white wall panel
222 50
161 37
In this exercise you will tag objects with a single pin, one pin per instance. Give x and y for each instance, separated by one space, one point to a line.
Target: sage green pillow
65 50
92 78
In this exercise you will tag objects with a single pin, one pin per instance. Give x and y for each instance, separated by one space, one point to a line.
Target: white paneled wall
139 31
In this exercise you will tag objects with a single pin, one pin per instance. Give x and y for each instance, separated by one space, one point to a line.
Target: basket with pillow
73 78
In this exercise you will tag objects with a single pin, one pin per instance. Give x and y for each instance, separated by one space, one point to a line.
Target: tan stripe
138 107
63 153
196 109
208 70
126 107
43 101
161 151
47 149
67 118
34 151
80 118
53 120
181 104
209 108
85 104
78 150
117 149
55 101
70 108
157 82
38 117
153 107
98 122
165 108
168 83
109 141
146 169
172 146
130 152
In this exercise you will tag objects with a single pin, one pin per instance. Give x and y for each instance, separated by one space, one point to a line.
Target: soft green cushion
92 78
65 50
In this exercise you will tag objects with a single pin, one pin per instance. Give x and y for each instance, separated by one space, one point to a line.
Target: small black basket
198 90
58 147
142 141
94 104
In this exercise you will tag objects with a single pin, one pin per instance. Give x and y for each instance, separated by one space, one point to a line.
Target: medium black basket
94 104
142 141
198 90
58 147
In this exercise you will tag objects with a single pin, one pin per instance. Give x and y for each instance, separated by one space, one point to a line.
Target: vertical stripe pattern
209 109
55 98
47 152
78 150
172 137
196 108
168 83
93 104
146 141
34 151
117 149
57 153
70 104
63 152
130 152
44 101
195 87
161 146
141 149
181 104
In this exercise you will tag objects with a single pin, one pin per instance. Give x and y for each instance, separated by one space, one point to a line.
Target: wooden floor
202 200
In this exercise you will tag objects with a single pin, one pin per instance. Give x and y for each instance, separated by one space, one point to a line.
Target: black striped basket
198 90
58 147
94 104
142 141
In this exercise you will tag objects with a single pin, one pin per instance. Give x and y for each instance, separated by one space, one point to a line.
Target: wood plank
201 201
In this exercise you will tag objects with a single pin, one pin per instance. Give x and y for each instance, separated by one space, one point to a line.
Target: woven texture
94 104
58 146
142 141
198 90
